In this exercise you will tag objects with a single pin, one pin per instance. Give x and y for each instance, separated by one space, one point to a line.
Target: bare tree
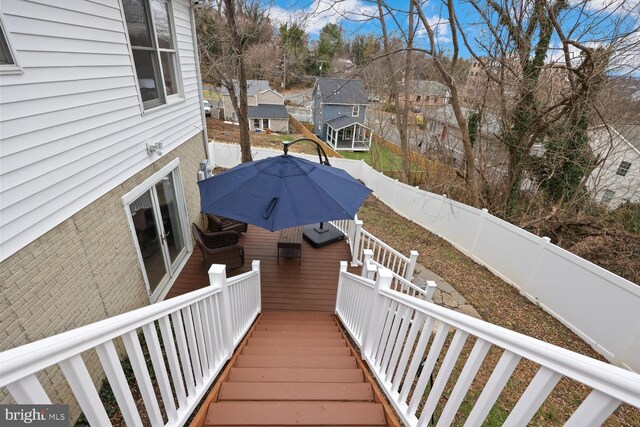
226 34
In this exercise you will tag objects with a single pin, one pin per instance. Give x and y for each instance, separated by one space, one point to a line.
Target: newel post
367 272
355 243
218 279
343 269
376 313
255 266
413 259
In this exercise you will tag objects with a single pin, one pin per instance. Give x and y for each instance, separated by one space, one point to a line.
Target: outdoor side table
290 243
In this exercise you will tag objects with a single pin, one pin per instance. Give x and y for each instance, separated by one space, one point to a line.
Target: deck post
367 272
376 314
355 243
218 279
413 258
343 269
255 266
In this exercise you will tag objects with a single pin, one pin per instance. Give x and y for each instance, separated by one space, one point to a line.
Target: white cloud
440 27
323 12
614 6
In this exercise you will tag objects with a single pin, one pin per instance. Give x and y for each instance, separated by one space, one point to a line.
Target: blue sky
352 16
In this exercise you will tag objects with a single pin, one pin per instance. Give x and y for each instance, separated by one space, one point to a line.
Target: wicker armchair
219 248
218 223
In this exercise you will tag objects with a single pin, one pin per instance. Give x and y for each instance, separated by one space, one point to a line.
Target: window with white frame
348 133
256 123
355 111
7 58
607 196
623 168
151 34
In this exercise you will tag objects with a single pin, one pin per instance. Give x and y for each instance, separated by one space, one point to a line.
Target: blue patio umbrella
281 192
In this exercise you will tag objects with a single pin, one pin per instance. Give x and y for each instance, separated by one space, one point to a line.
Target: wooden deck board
312 285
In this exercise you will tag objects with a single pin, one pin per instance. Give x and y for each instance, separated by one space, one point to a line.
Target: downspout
194 37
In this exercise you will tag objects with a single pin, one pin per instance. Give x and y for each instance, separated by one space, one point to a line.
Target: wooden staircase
295 369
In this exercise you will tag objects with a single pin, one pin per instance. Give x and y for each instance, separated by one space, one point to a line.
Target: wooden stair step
308 322
295 413
296 351
290 342
302 375
296 328
298 315
336 362
296 391
296 334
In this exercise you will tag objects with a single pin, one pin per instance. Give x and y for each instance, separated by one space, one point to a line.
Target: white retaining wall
599 306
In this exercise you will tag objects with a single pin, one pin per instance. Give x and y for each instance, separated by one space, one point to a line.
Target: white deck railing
403 339
399 283
198 334
360 240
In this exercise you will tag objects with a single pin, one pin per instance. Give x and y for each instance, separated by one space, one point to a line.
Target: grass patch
379 158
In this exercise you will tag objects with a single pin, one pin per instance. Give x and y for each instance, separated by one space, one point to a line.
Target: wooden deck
308 286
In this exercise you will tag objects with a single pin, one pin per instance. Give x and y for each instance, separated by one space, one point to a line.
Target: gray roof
268 111
342 91
253 87
429 88
631 133
342 122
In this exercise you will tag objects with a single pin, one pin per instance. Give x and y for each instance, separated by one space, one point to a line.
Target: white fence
198 334
395 332
599 306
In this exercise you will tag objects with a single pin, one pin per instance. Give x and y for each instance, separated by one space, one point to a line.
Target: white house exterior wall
73 126
270 97
615 149
276 125
229 112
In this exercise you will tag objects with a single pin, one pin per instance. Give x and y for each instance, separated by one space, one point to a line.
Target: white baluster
492 389
134 350
77 375
113 369
533 397
28 390
162 377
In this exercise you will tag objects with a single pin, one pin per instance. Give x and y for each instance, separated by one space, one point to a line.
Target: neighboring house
102 133
443 136
338 112
617 179
266 107
429 93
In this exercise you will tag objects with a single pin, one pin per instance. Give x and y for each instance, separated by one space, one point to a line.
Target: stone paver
445 295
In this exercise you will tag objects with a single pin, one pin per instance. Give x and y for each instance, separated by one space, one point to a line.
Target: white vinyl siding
270 97
72 127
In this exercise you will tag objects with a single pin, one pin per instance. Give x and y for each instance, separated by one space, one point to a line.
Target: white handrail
361 240
403 285
396 344
192 338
